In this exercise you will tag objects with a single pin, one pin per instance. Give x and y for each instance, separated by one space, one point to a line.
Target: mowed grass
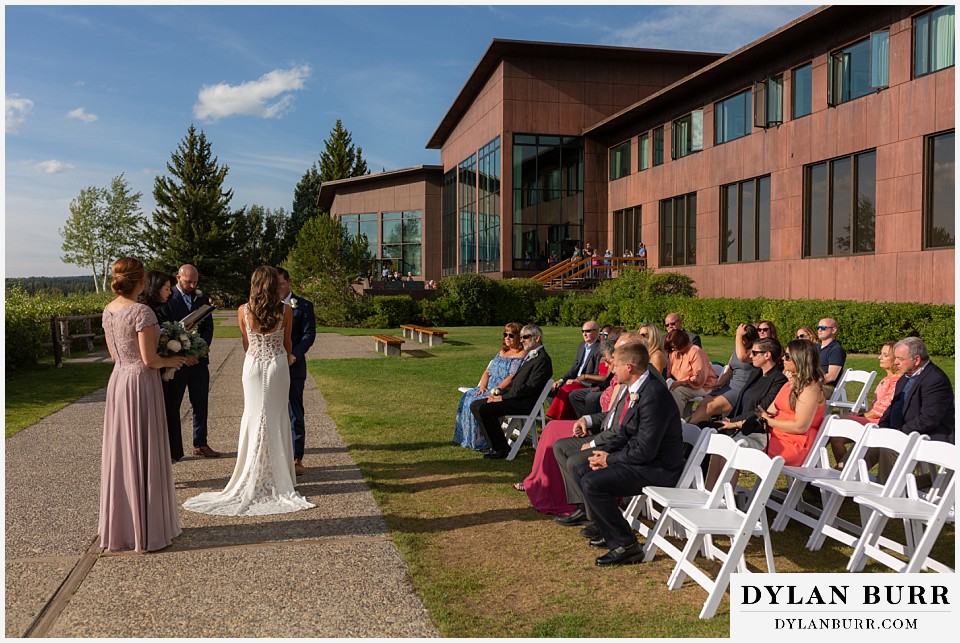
486 563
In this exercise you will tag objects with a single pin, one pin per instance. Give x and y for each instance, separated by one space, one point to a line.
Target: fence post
55 334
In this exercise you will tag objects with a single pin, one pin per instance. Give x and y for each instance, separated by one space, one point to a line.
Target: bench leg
393 351
436 340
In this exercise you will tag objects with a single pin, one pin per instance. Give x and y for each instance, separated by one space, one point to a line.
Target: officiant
185 299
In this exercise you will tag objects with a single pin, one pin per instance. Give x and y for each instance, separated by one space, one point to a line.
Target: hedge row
24 331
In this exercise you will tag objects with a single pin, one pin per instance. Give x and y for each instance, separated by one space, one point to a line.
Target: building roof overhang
329 189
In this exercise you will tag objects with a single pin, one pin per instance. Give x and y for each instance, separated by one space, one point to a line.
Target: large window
658 146
768 102
933 41
626 230
687 135
449 224
488 206
357 224
732 117
745 221
643 151
467 199
802 99
401 241
859 69
939 192
620 161
678 231
547 198
839 206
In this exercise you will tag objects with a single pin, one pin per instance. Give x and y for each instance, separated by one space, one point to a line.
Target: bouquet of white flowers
175 339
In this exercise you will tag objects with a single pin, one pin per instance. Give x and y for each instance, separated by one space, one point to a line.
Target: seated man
673 322
832 355
647 451
519 397
586 362
922 401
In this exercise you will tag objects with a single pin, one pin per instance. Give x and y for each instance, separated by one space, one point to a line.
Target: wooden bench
62 338
408 330
388 345
433 336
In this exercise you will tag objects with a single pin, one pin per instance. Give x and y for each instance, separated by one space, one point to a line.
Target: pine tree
193 222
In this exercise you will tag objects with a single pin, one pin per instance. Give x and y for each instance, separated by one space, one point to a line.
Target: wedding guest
156 292
498 374
184 299
795 415
761 389
690 368
586 362
544 485
832 355
674 322
882 398
651 335
732 381
586 401
767 329
642 255
807 333
138 503
303 332
519 398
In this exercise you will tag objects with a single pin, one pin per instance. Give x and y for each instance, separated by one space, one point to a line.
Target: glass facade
620 161
732 117
858 70
402 238
745 221
626 230
678 231
687 135
802 90
471 213
658 146
840 206
488 206
547 198
357 224
939 179
448 223
643 151
933 41
467 199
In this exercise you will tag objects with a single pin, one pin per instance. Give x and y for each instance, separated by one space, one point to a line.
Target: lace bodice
264 347
120 329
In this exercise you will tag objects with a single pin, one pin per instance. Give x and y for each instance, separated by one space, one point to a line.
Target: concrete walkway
331 571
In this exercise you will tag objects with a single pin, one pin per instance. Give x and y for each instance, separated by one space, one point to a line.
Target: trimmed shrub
396 310
547 311
466 300
516 300
577 308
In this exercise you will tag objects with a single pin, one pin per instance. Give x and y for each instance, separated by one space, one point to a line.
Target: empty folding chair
855 481
839 398
923 514
816 466
518 427
716 518
690 477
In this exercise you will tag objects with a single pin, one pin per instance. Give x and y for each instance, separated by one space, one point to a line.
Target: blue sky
95 91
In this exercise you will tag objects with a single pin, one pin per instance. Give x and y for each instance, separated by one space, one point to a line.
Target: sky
92 92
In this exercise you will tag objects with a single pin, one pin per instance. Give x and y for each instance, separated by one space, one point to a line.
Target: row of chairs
692 512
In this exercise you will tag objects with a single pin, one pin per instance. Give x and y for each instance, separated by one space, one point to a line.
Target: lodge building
816 162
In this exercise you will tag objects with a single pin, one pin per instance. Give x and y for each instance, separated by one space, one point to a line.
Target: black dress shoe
591 531
632 553
578 517
599 541
493 454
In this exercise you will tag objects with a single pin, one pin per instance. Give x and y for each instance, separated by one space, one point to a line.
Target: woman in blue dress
498 374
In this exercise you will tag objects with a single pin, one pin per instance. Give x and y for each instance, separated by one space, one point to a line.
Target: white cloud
711 28
252 98
81 114
53 166
16 109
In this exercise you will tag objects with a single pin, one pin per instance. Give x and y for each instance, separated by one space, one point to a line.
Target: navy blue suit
303 332
195 379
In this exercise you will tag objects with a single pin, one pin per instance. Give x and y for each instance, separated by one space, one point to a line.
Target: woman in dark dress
155 293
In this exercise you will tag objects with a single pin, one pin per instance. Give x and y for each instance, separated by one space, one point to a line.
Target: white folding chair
816 466
690 496
718 370
839 398
855 481
517 427
923 514
715 519
464 389
690 477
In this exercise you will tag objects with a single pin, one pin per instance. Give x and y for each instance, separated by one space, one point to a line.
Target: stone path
331 571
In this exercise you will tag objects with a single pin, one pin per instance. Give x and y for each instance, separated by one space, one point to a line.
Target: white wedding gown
263 479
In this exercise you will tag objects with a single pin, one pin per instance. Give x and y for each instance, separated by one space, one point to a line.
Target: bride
263 478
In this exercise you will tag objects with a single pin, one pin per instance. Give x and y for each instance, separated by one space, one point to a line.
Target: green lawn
485 563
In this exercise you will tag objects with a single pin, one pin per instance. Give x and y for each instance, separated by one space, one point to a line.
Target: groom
303 332
184 299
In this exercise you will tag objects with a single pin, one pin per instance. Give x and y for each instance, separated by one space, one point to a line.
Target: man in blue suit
184 299
303 333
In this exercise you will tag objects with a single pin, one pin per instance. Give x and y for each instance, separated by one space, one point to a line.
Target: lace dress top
120 328
263 347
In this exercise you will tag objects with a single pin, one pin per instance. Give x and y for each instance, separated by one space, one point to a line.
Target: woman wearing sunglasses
807 333
734 378
498 374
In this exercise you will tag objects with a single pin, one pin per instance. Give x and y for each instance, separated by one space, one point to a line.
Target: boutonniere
198 293
634 397
533 353
293 302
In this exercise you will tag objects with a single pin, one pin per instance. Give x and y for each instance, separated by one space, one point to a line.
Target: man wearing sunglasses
587 360
673 322
832 355
519 397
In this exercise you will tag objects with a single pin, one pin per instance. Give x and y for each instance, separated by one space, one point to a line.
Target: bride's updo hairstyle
127 275
265 305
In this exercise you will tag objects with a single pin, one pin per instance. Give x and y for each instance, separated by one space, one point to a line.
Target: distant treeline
53 285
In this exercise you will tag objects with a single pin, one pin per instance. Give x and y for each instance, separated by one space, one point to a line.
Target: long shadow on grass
399 446
461 521
418 354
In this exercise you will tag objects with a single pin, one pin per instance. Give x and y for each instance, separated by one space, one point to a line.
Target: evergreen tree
259 237
193 222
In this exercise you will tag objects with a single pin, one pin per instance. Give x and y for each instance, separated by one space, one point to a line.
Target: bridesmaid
138 504
498 374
